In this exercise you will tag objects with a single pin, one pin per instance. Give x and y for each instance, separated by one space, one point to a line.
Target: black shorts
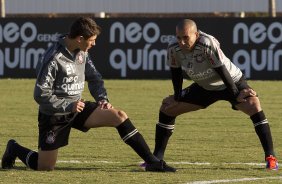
197 95
54 130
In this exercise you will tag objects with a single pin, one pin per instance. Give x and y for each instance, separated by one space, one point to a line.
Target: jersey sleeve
95 81
213 51
43 90
171 56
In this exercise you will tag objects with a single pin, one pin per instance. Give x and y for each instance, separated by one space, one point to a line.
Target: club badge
50 138
79 57
199 58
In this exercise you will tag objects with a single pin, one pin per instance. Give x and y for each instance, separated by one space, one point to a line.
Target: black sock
164 129
135 140
27 156
263 131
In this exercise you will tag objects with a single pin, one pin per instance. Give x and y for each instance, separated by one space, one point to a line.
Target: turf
213 144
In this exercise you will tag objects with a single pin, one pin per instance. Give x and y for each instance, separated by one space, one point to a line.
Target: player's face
186 38
86 44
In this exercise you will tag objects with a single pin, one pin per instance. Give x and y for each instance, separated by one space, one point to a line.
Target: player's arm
228 81
43 90
176 71
240 96
96 83
216 57
177 81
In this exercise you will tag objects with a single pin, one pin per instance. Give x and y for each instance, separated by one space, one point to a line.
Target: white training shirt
199 63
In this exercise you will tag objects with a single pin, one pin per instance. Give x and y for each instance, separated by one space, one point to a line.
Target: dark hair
84 26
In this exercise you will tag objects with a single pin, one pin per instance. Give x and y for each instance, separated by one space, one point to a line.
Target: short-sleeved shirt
199 63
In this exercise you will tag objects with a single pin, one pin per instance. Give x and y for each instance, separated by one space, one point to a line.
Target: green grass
217 135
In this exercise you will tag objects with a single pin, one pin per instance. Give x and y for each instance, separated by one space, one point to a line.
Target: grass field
214 145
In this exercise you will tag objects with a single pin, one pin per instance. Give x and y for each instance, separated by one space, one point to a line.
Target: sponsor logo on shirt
200 75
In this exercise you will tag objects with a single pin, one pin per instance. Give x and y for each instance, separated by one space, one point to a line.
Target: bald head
187 23
186 34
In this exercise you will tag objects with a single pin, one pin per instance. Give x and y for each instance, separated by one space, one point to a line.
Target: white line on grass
186 163
235 180
189 163
176 163
83 162
207 163
86 162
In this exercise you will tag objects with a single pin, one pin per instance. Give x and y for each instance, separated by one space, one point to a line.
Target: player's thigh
250 107
47 160
174 108
105 118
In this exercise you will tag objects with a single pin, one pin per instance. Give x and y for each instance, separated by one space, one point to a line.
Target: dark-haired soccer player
61 76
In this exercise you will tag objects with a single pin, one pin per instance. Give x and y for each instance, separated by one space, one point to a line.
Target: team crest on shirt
79 57
50 138
199 58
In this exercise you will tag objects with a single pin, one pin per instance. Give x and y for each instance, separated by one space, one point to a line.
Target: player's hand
78 106
104 104
246 93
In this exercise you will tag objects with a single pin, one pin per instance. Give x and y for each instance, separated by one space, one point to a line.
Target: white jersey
199 63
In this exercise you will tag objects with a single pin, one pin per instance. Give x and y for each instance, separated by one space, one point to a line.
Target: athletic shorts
54 130
197 95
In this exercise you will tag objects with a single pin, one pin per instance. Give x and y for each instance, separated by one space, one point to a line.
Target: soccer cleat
8 160
271 163
160 166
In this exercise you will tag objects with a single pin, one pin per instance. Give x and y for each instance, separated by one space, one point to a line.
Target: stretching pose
61 75
215 78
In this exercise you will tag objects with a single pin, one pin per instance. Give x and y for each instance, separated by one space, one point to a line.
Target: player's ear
79 38
197 34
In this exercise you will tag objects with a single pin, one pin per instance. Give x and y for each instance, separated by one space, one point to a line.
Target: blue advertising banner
135 48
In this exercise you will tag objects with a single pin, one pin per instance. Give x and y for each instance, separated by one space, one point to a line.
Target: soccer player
215 78
61 75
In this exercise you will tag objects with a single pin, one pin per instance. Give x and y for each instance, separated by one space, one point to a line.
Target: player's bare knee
168 111
252 106
122 116
163 109
254 102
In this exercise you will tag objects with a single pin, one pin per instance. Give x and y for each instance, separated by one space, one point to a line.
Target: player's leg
169 110
14 150
128 133
47 160
193 98
53 134
253 108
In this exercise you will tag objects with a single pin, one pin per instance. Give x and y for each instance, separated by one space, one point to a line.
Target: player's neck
71 45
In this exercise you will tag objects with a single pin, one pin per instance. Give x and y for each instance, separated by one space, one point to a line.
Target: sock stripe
27 158
129 135
169 127
261 123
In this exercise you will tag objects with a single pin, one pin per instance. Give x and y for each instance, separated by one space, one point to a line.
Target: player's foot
160 166
271 163
8 159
